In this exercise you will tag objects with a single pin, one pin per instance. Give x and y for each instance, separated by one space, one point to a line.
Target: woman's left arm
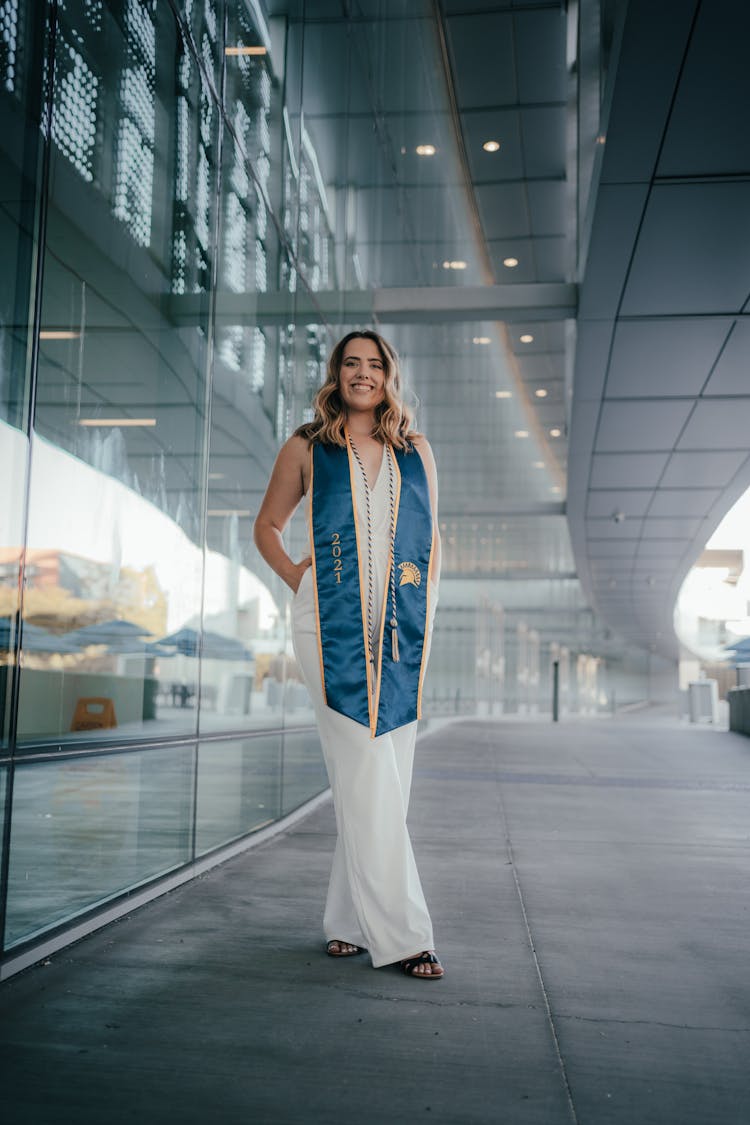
422 446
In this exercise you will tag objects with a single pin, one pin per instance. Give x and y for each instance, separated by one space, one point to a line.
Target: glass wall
197 198
155 189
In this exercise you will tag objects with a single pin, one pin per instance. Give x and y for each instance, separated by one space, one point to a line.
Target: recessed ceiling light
216 476
491 146
540 392
555 432
555 488
601 139
511 263
454 265
245 51
522 433
480 340
426 150
119 422
527 338
538 464
503 394
55 334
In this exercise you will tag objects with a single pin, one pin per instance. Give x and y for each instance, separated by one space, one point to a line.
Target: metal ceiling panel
664 357
502 125
693 251
504 210
718 424
629 503
406 75
485 65
546 367
523 250
548 206
675 528
619 209
713 97
731 375
550 259
540 52
662 548
606 528
640 425
543 130
635 470
429 213
717 468
651 55
353 153
611 548
684 501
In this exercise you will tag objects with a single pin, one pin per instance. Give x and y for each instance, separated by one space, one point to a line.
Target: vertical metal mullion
38 263
208 395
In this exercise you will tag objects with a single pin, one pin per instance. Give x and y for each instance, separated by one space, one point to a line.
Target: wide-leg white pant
375 897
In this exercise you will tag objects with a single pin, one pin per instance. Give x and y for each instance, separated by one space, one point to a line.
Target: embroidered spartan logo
410 574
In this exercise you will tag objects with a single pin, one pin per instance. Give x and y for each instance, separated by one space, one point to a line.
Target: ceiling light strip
488 274
485 260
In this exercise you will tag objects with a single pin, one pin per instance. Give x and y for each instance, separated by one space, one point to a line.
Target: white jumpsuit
375 897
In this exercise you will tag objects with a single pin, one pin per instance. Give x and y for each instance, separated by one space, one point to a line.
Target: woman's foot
338 948
424 965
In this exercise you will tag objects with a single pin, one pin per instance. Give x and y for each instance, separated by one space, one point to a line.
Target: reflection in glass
114 562
22 65
86 829
239 789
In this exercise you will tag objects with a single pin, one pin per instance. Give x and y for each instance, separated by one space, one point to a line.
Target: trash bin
743 675
736 706
743 721
704 701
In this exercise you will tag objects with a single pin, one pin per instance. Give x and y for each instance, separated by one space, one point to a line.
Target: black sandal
426 958
338 941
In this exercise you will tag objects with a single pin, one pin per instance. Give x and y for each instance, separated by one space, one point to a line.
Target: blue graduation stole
390 694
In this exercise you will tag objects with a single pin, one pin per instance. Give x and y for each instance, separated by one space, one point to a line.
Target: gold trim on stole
315 574
387 452
423 665
362 595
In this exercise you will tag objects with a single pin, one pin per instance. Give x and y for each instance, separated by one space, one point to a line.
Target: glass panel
304 769
22 68
86 829
3 796
239 789
112 608
243 598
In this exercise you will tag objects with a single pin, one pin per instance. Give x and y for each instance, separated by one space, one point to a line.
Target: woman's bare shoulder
295 450
423 448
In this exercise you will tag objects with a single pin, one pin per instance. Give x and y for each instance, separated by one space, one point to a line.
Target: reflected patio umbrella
740 649
116 635
214 646
35 639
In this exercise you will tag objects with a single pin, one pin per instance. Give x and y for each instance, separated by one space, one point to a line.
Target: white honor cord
371 622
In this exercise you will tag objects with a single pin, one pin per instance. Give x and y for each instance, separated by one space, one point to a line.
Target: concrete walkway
589 887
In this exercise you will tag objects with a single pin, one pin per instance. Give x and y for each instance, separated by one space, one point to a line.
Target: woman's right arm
285 490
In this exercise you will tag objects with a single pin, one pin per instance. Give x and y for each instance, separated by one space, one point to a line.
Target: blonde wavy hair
393 418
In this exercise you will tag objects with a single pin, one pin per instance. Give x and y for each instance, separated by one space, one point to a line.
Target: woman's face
362 375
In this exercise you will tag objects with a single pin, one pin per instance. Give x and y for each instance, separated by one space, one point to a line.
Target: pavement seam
653 1023
547 1007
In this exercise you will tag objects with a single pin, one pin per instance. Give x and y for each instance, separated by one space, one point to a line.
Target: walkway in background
589 887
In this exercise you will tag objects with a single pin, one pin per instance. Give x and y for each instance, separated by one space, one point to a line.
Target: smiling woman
371 490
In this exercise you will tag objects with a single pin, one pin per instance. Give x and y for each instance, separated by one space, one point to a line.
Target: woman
362 617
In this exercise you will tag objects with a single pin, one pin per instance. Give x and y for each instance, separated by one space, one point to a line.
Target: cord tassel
394 642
